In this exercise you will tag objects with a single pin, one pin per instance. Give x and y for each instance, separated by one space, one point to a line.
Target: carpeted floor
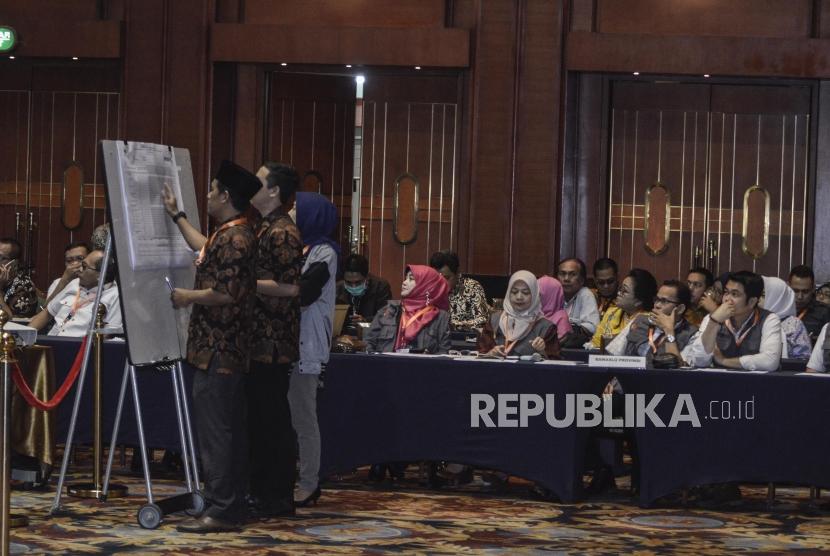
355 516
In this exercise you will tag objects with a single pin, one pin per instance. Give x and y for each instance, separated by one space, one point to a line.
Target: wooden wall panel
222 115
167 79
584 201
14 156
58 127
698 55
57 10
411 126
583 15
311 126
708 159
493 115
821 256
732 18
534 219
346 13
187 83
144 73
380 46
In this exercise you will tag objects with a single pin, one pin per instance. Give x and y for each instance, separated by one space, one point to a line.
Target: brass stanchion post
95 488
7 359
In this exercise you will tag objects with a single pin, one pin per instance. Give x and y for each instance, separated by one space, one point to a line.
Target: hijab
516 324
553 304
316 219
425 302
779 297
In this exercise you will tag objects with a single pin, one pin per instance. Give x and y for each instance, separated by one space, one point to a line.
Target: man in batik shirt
468 303
19 293
218 343
276 343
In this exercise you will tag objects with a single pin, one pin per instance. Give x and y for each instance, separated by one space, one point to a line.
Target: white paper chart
154 241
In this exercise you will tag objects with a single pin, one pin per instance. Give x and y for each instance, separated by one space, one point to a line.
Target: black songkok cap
237 179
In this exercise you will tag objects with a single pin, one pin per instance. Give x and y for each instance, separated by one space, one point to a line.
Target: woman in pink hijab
553 304
419 321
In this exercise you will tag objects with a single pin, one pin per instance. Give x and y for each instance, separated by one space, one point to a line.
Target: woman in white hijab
779 298
521 328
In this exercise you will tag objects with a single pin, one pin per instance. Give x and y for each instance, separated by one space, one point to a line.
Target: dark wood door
52 116
708 145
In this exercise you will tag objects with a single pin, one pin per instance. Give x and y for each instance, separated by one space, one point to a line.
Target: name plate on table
617 361
23 335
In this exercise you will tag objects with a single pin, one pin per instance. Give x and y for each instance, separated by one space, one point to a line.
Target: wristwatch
670 339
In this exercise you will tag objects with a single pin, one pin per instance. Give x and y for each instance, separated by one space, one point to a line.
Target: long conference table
754 427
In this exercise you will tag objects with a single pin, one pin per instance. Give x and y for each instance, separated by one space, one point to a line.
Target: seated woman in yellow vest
636 296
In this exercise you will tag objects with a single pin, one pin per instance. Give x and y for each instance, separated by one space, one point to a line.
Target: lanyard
654 345
235 222
79 303
407 321
740 339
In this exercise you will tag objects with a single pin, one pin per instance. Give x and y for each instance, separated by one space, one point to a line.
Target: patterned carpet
358 517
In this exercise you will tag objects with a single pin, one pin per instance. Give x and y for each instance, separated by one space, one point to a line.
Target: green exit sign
8 39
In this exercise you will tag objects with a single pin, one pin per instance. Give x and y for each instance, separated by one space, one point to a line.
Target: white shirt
583 311
72 310
816 361
620 341
768 357
52 287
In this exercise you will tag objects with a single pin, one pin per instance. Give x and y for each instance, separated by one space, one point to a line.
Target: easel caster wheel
149 516
198 505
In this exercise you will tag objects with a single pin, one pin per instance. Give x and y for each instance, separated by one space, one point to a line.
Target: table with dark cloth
377 408
787 440
32 430
155 390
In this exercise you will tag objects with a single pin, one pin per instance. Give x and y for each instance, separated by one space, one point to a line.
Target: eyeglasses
665 300
608 282
622 292
85 266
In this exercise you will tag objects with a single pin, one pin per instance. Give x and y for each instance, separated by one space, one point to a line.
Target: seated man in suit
738 334
72 308
664 330
813 314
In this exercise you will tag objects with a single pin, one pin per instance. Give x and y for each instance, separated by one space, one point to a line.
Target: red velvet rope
29 396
